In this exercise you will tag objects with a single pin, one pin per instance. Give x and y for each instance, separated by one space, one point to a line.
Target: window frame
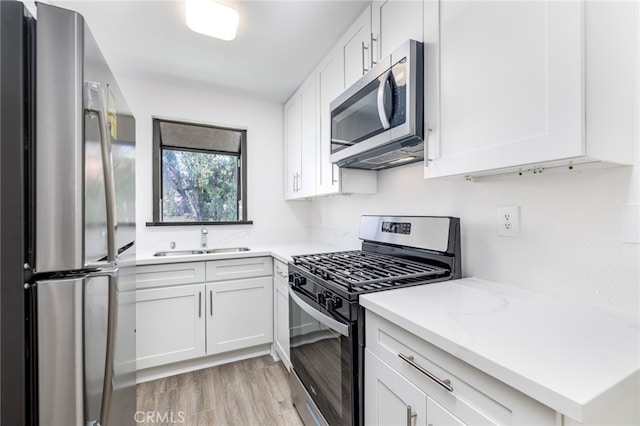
157 172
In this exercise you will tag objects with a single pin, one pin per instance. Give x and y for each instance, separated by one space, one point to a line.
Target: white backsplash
570 241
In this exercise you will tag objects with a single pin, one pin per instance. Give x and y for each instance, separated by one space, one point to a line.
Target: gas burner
359 270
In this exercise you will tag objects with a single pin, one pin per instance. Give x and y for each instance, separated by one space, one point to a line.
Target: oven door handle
337 326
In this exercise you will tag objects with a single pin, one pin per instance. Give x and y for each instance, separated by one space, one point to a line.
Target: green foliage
199 187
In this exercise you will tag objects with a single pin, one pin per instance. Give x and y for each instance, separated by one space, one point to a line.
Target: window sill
239 222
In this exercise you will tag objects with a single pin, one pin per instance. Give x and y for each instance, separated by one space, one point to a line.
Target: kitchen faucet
203 237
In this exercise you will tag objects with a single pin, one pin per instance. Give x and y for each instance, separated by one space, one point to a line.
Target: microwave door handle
381 110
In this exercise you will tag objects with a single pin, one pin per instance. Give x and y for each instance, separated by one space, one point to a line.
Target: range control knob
321 298
332 303
299 280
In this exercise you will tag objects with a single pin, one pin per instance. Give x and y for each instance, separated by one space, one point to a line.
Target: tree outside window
198 173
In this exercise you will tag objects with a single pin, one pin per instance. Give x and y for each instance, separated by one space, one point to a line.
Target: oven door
322 355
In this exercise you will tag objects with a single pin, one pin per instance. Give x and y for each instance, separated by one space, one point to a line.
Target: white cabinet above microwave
559 91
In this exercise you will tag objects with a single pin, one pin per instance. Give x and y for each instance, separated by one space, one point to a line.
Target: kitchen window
199 174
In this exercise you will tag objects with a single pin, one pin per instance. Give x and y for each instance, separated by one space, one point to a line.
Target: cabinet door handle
410 415
373 39
211 302
427 131
282 274
199 304
364 67
445 383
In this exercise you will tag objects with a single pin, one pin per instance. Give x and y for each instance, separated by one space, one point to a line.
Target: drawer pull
446 383
282 274
410 416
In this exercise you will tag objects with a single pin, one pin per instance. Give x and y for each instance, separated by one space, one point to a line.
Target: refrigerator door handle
95 103
112 315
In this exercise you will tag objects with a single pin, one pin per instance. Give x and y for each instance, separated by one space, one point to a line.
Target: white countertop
282 252
570 356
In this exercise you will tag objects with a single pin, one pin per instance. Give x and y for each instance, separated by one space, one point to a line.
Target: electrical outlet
508 221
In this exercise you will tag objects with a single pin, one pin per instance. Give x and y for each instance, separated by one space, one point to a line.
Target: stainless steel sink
208 251
179 253
227 250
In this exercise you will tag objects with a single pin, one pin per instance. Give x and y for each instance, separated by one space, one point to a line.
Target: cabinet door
390 399
330 85
169 324
292 152
281 311
507 101
393 22
239 314
308 132
439 416
355 48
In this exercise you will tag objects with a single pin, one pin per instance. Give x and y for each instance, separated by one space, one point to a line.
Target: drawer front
149 276
247 267
281 272
474 398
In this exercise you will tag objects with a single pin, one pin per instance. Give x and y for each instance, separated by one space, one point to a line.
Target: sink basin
179 252
208 251
228 250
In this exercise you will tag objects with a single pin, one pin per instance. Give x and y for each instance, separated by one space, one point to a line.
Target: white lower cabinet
239 314
438 415
281 312
168 327
179 320
390 399
402 374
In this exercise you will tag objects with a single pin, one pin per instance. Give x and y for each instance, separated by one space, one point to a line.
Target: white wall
570 242
274 219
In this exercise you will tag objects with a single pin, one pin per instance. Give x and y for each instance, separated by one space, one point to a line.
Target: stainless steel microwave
378 122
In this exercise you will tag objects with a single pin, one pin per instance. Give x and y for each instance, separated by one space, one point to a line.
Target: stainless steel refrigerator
67 226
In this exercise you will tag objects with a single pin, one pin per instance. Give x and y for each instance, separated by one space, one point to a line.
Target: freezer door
85 156
59 141
72 327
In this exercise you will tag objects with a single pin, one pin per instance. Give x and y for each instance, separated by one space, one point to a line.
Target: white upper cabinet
330 83
300 124
355 49
393 22
292 157
308 132
528 85
383 27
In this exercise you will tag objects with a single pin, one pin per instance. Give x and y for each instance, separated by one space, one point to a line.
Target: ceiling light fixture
212 19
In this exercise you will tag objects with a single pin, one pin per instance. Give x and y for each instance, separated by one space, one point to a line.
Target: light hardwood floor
249 392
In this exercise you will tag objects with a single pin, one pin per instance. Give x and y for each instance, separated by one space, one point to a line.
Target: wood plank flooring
249 392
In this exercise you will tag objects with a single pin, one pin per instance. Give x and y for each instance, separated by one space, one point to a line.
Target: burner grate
367 270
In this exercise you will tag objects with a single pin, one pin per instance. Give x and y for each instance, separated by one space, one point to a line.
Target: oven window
322 358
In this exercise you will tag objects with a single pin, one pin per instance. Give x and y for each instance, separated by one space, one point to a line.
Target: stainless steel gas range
325 319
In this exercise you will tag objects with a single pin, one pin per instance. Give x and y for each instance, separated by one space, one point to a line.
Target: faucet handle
204 230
